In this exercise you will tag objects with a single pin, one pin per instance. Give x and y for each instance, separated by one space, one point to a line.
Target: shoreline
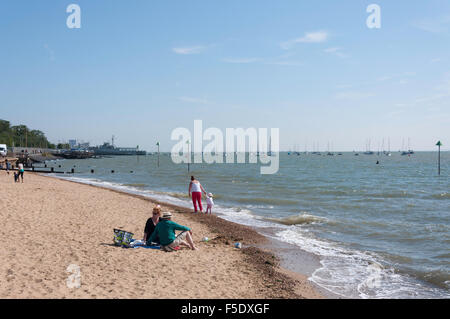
284 252
261 246
260 266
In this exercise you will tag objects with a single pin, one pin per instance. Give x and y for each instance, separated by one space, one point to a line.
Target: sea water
380 230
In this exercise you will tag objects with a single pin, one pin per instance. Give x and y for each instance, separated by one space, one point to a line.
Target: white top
209 201
195 187
20 166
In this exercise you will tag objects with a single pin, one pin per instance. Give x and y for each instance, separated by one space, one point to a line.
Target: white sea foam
356 274
242 216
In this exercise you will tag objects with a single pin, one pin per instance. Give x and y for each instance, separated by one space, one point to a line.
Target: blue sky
139 69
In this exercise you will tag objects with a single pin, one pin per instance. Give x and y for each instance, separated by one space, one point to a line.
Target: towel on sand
139 243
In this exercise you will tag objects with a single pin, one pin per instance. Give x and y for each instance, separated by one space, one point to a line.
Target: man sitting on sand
165 230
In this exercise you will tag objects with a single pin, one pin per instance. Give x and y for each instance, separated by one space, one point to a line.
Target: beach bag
122 238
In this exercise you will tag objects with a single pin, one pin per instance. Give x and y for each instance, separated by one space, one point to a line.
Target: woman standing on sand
196 189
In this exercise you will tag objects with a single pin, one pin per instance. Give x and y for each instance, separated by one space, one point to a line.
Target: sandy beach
49 224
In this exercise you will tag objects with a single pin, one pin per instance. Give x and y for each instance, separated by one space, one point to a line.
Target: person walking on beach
151 224
196 189
165 230
21 170
7 166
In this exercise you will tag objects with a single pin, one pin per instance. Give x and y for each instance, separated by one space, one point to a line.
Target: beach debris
238 245
205 239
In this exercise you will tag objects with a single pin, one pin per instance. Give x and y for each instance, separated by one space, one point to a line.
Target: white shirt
20 166
195 187
209 201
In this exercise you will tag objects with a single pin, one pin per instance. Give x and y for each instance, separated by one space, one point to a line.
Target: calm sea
381 231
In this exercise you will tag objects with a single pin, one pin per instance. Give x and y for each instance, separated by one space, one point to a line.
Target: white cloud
395 113
241 60
309 37
286 63
434 25
331 50
275 61
335 51
344 86
396 76
194 100
353 95
189 50
385 78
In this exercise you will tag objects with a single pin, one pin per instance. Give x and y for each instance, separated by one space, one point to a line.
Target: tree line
22 136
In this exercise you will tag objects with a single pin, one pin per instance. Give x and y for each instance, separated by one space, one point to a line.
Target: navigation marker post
439 144
157 144
189 151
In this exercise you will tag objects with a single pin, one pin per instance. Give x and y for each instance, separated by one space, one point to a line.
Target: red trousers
197 197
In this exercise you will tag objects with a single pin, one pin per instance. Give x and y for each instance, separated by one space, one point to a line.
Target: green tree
21 135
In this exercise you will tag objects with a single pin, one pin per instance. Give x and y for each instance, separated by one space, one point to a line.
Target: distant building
72 143
84 145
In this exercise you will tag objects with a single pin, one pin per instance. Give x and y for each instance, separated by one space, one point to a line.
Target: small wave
443 256
136 185
440 196
300 219
242 216
402 194
266 200
176 195
357 274
334 192
439 278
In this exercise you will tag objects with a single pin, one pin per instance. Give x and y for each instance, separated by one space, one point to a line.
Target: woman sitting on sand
165 230
151 224
196 189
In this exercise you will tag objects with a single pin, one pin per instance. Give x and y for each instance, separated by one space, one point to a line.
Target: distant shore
55 223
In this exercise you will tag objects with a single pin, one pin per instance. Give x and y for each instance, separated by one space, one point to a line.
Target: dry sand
49 224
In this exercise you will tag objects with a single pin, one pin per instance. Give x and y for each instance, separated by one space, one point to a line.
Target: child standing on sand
21 170
209 203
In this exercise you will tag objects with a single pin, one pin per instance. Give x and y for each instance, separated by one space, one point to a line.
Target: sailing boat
368 151
316 146
329 153
296 150
389 148
409 152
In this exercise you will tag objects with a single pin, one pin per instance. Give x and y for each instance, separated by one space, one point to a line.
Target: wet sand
51 223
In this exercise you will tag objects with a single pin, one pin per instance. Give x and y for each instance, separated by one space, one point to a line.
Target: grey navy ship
110 149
